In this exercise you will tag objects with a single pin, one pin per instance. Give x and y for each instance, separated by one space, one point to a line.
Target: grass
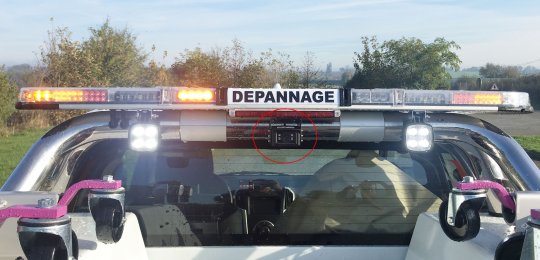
531 144
14 147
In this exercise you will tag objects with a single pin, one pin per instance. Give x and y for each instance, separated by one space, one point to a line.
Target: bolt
3 204
468 179
108 178
45 203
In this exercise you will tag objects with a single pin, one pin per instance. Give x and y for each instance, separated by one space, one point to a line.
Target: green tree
370 68
66 63
8 95
279 68
235 66
241 68
110 57
308 72
235 58
251 74
232 66
346 75
491 70
115 52
407 62
195 68
466 83
25 75
157 74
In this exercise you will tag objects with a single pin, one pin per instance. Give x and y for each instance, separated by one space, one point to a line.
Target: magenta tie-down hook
501 192
45 208
49 225
459 216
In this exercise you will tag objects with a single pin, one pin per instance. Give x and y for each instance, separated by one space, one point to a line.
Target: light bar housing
114 98
182 98
440 100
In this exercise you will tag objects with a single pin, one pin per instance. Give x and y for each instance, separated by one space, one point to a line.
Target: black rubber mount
510 247
109 217
508 215
45 246
467 222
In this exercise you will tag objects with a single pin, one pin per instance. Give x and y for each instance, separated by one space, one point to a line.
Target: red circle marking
269 114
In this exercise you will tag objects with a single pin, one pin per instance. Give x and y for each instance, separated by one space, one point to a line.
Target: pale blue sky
505 32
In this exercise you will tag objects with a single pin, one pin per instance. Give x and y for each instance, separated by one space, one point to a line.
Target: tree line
404 63
112 57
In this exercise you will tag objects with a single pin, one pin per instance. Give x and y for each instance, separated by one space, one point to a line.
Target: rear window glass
234 196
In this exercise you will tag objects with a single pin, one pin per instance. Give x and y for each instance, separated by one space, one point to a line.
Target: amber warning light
480 98
64 95
196 96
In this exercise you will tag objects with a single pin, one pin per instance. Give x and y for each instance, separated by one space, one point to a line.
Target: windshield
203 195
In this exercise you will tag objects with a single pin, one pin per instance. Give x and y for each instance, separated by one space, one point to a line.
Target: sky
502 32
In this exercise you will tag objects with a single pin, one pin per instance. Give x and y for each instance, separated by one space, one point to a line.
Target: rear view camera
286 134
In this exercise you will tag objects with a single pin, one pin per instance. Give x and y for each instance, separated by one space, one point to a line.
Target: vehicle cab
273 173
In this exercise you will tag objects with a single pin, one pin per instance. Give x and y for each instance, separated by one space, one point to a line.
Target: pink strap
60 209
503 195
32 212
70 193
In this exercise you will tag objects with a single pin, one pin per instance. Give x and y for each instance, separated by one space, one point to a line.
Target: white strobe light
419 137
144 137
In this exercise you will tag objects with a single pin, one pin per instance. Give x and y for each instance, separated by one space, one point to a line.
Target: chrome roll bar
48 151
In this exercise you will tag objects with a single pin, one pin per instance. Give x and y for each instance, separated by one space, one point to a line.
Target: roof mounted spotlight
144 137
419 137
418 134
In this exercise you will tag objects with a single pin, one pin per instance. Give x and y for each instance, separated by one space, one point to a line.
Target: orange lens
64 96
195 95
488 99
477 99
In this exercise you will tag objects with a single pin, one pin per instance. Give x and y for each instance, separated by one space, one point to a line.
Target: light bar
448 100
322 101
117 95
115 98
